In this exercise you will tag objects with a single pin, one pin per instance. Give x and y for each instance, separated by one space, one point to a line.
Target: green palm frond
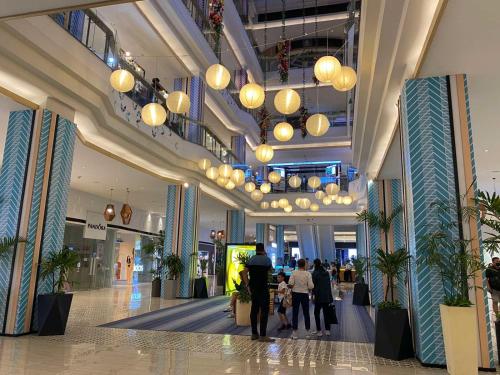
7 243
379 220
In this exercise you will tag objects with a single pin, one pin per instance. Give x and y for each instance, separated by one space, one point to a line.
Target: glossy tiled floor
87 349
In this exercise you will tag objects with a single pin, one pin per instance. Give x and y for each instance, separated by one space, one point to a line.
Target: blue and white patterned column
181 232
260 233
375 242
235 226
280 242
194 87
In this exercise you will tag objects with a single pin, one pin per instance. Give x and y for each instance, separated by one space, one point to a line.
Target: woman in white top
301 284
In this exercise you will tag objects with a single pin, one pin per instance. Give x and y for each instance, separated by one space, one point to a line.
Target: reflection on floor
86 349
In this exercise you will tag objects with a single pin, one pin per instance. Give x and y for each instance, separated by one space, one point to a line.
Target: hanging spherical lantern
332 188
217 77
122 80
317 125
178 102
212 173
327 201
314 207
257 195
327 68
295 181
320 194
238 177
347 200
252 95
340 199
314 182
225 170
345 80
264 153
275 204
249 187
283 131
265 187
153 114
264 205
274 177
333 197
304 203
287 101
297 201
283 202
288 209
204 164
222 181
230 185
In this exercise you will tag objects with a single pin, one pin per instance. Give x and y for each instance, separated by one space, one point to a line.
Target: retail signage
95 226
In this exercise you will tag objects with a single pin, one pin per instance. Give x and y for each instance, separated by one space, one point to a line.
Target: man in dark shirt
258 268
493 278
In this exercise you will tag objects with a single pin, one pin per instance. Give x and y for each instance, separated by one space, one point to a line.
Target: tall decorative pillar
194 87
376 241
34 184
438 165
280 243
260 233
181 232
235 228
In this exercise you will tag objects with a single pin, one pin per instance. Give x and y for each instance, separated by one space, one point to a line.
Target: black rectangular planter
200 288
53 312
360 296
393 339
156 288
497 332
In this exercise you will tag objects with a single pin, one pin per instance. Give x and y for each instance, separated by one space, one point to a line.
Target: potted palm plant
361 294
174 268
53 308
220 263
457 263
393 338
6 245
243 300
154 250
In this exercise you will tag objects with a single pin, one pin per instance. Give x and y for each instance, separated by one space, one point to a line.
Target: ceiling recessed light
486 150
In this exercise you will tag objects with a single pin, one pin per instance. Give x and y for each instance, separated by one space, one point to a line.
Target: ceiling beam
299 21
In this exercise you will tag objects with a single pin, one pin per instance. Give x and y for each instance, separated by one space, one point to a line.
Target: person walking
493 280
258 268
322 297
301 284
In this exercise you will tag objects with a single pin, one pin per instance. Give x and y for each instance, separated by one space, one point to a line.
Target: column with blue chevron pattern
375 242
235 226
280 242
260 233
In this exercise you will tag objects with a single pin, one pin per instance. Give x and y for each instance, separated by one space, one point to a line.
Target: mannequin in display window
118 270
129 269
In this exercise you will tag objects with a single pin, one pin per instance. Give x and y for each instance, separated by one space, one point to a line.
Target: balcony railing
95 35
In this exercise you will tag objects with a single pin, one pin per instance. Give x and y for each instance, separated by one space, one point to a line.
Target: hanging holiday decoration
264 123
304 116
283 49
215 17
126 211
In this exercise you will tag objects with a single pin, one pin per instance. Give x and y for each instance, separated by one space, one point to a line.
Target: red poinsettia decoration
283 57
215 17
304 115
264 123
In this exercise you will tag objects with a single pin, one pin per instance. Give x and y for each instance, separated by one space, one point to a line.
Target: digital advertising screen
233 266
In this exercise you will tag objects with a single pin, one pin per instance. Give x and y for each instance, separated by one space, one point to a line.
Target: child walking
284 302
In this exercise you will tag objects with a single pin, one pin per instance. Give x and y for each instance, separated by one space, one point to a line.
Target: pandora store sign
95 226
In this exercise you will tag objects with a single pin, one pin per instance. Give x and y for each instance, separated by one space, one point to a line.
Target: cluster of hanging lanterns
224 175
329 70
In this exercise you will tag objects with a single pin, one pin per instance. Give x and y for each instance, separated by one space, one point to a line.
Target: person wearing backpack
285 300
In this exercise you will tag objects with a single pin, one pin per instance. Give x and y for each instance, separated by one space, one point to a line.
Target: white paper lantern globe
332 189
249 187
288 209
265 187
345 80
230 185
327 201
283 131
347 200
217 77
212 173
327 68
314 182
287 101
317 125
204 164
320 194
295 181
274 177
122 80
297 201
275 204
304 203
238 177
340 199
264 205
252 95
178 102
225 170
222 181
264 153
257 195
153 114
333 197
283 202
314 207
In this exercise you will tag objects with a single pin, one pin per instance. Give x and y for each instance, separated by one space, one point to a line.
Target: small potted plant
154 250
361 296
174 268
393 338
457 264
53 308
243 305
203 266
220 263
